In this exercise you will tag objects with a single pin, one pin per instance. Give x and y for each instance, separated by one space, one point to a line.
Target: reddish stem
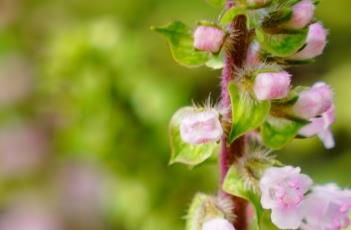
236 49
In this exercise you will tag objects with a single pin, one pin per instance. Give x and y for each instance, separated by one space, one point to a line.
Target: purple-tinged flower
208 38
217 224
314 101
269 86
315 43
321 126
302 14
327 208
283 191
201 127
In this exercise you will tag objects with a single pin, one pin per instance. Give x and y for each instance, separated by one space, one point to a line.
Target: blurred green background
86 93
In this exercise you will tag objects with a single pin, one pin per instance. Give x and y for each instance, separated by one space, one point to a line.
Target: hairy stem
236 49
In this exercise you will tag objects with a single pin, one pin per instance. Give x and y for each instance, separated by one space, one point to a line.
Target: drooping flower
200 127
269 86
283 191
327 208
320 126
315 43
302 14
217 224
208 38
314 101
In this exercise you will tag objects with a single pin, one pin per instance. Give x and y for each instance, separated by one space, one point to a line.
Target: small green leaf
234 185
203 207
282 44
277 132
181 43
275 18
185 153
248 113
216 61
216 3
230 14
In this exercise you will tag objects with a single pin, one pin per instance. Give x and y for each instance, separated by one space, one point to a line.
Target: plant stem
236 49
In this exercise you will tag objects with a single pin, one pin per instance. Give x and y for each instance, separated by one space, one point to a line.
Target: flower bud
217 224
208 38
269 86
201 127
315 43
314 101
302 14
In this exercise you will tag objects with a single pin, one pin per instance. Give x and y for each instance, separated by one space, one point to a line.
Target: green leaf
230 14
216 61
234 185
277 132
216 3
202 208
248 113
275 18
185 153
181 43
282 44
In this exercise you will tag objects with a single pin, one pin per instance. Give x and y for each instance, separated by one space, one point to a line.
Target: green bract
282 44
230 14
277 132
185 153
181 43
247 112
202 208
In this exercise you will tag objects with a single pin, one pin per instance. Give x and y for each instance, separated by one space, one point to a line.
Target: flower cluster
284 192
255 42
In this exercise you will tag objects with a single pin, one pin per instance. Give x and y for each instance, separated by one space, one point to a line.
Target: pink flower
217 224
315 43
302 14
201 127
269 86
327 208
208 38
283 191
321 126
314 101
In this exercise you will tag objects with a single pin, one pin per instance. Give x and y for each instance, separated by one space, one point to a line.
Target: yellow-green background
104 88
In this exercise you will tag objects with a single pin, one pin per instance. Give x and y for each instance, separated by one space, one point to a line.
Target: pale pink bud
327 208
217 224
302 14
314 101
208 38
252 56
315 43
269 86
201 127
283 191
321 126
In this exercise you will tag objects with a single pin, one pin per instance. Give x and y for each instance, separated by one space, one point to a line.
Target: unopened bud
208 38
269 86
201 127
315 43
314 101
302 14
217 224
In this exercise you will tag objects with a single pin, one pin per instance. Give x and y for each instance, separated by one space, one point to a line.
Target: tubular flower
283 191
302 14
